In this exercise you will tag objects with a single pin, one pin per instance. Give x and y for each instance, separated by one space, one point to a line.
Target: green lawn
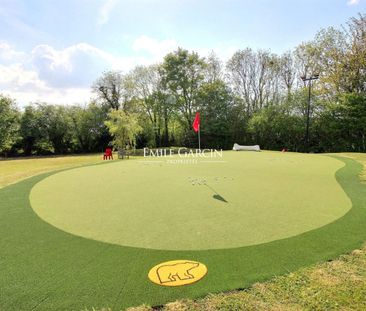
15 170
336 285
45 268
248 199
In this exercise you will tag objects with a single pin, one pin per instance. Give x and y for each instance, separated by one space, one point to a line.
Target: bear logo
170 273
177 272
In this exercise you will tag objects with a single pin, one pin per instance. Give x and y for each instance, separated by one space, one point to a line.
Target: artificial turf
44 268
242 199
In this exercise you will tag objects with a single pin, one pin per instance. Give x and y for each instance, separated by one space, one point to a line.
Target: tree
88 128
257 97
287 71
182 73
55 123
147 88
218 115
112 89
9 124
254 77
124 128
276 127
355 63
338 55
214 69
353 123
30 129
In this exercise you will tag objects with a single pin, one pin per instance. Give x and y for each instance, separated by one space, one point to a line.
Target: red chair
108 154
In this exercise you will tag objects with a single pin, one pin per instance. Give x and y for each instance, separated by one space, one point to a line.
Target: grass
335 285
44 268
167 206
15 170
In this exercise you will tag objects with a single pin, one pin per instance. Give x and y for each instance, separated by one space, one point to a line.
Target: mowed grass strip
13 170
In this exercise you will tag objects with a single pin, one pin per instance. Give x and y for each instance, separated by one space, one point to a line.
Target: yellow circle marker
177 272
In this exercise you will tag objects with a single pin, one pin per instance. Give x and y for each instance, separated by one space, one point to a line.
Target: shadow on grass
216 196
219 197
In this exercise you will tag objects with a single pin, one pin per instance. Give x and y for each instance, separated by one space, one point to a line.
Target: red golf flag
196 122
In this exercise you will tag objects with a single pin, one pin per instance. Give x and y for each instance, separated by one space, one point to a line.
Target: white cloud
223 51
353 2
105 12
154 47
7 53
57 76
65 75
16 77
158 49
25 86
76 65
51 96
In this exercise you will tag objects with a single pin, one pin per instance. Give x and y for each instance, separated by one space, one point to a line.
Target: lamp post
309 79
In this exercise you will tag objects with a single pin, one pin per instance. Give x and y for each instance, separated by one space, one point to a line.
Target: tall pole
309 79
308 119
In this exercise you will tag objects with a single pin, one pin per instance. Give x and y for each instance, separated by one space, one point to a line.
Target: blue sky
53 50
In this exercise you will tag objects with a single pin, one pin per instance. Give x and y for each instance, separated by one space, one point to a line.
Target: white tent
246 148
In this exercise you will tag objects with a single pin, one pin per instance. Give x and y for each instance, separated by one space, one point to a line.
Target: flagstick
199 137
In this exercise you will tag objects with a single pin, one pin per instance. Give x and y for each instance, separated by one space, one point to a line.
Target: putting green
247 199
44 268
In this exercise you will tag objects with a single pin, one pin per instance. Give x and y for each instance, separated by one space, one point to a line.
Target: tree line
256 97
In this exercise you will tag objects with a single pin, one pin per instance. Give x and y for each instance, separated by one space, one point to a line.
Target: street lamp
309 79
